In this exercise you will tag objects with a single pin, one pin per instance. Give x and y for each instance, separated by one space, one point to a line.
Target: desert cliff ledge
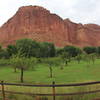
39 24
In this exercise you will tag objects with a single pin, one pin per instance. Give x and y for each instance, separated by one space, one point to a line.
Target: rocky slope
39 24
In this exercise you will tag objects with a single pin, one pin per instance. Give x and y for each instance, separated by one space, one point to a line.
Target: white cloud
82 11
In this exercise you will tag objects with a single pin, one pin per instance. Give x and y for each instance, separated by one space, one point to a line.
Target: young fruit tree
21 63
52 62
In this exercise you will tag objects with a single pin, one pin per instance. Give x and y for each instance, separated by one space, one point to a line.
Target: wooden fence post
37 98
53 90
3 91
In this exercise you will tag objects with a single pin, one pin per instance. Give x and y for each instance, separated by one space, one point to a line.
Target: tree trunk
66 62
62 67
78 61
22 72
69 60
15 69
50 72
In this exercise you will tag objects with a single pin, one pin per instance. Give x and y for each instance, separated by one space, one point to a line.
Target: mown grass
73 73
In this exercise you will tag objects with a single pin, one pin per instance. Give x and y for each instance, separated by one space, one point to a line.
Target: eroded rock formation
39 24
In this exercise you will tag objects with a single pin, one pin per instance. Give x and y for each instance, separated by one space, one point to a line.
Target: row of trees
29 48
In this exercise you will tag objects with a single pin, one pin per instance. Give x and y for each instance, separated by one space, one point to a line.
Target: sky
79 11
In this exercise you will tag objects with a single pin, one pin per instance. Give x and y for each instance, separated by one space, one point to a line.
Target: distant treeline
30 48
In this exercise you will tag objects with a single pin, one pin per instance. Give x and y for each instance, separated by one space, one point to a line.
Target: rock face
39 24
83 35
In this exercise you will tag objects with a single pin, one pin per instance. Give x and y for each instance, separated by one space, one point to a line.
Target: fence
53 86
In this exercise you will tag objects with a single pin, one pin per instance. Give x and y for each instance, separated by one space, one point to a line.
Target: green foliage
92 57
4 62
72 51
47 49
32 62
30 48
59 51
19 62
79 57
56 61
11 49
84 57
0 47
65 58
90 49
27 47
98 50
4 54
88 57
51 62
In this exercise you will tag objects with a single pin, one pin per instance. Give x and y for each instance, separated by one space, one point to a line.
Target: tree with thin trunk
65 59
21 63
51 70
92 57
52 62
78 58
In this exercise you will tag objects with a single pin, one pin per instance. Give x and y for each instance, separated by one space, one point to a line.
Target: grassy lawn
73 73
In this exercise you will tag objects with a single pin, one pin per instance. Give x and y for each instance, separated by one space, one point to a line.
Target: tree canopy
72 50
90 49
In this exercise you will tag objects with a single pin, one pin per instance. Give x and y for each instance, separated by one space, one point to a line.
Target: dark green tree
72 50
90 49
59 51
0 47
28 47
47 49
98 51
12 50
3 53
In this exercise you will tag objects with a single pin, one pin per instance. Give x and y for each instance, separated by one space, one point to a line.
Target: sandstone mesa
39 24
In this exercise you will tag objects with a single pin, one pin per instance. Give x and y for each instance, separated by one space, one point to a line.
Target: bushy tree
79 57
98 51
12 50
72 50
65 57
90 49
47 49
89 57
51 62
4 54
59 51
85 57
92 57
19 62
28 47
32 62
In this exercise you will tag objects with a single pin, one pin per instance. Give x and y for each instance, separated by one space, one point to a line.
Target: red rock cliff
39 24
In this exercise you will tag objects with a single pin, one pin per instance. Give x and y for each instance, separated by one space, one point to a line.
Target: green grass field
73 73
